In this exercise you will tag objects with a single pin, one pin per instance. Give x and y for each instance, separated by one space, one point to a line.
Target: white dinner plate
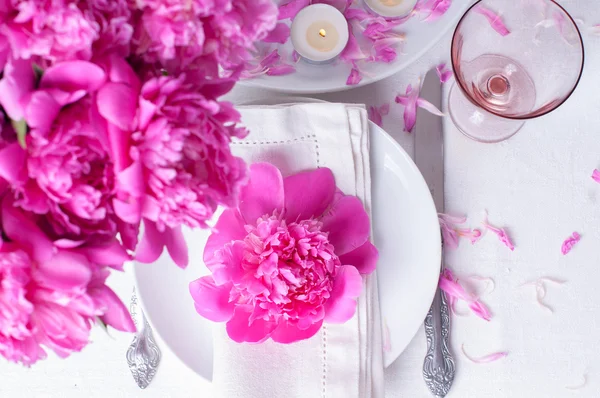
406 232
311 78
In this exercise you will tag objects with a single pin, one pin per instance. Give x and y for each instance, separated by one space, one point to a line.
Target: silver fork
143 355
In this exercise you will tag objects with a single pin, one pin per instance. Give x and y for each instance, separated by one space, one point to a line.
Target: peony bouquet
110 119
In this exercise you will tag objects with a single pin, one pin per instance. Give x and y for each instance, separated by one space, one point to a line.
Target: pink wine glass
513 60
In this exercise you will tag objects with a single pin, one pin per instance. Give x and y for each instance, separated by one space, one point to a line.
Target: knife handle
439 367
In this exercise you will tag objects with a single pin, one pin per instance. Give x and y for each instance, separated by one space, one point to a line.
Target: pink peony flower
67 172
52 292
53 30
112 18
177 34
181 152
287 259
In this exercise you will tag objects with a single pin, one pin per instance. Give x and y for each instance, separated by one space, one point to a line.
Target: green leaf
164 72
21 130
38 71
103 326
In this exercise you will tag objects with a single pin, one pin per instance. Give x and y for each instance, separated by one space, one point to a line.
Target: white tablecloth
537 184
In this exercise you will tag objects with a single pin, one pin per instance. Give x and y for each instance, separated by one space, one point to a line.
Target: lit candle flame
322 33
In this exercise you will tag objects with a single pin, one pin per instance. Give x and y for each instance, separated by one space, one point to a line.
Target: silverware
439 367
143 355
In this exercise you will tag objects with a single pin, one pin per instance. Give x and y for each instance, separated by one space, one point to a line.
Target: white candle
391 8
319 32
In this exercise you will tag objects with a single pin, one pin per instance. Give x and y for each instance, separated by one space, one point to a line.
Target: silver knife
439 367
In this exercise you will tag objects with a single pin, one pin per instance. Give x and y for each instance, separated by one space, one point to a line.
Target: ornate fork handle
143 355
439 367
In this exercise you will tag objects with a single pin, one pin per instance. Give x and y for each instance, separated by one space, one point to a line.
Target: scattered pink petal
411 101
280 34
352 52
280 70
436 8
271 65
500 232
451 233
449 285
376 113
443 72
580 385
596 29
295 56
494 19
596 176
571 241
354 78
485 359
291 8
387 341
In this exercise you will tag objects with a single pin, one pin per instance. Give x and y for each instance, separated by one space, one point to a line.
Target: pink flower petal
348 224
347 286
501 233
494 19
17 82
409 100
25 232
12 163
287 334
436 9
229 227
596 176
130 182
40 110
301 203
376 114
263 194
70 76
117 103
115 312
280 34
480 310
354 78
120 71
291 8
64 271
443 72
569 243
281 70
451 233
152 244
212 301
226 267
111 254
485 359
240 329
352 52
429 107
364 258
454 291
176 246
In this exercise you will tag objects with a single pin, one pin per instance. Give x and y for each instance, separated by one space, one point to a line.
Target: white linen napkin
341 361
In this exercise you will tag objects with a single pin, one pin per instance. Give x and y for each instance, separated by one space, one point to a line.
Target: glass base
477 123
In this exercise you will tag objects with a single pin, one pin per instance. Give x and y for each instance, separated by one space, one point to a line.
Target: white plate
406 233
310 78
